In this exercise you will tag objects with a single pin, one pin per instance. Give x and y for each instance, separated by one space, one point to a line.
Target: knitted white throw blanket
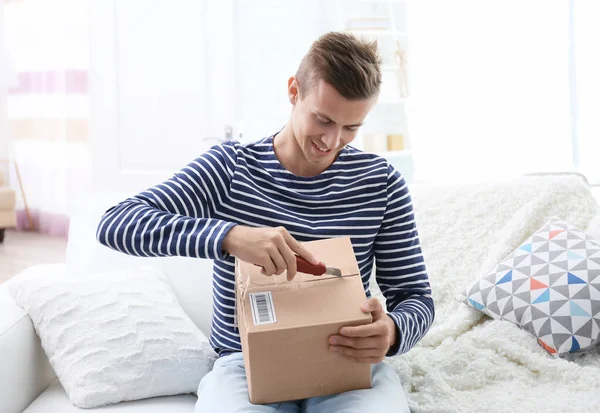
468 362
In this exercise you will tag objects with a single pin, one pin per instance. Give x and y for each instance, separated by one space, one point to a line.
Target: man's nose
333 138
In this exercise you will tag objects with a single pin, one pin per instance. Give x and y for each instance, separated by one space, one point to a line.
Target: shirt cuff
396 347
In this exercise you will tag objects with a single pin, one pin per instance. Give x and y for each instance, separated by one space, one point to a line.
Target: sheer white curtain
48 110
490 88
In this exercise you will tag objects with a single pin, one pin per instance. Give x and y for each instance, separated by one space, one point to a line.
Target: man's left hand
367 343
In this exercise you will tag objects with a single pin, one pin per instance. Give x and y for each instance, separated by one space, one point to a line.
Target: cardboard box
285 327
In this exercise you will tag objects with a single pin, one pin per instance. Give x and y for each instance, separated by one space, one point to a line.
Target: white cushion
55 400
115 336
191 278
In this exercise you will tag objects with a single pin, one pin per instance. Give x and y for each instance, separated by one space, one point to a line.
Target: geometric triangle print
595 292
545 346
556 305
573 279
522 261
542 298
595 329
593 261
536 284
527 325
584 341
541 247
556 254
518 302
536 259
575 288
557 295
584 294
508 308
476 304
524 296
558 276
542 307
510 316
575 345
526 317
554 233
585 330
564 311
579 266
574 257
526 247
579 322
540 269
537 313
560 339
517 284
558 244
575 235
484 293
577 311
493 308
502 303
519 314
593 275
578 247
563 290
546 328
595 258
501 292
523 269
557 265
506 278
595 304
566 325
538 324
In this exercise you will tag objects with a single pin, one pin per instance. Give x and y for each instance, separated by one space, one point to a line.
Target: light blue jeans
225 390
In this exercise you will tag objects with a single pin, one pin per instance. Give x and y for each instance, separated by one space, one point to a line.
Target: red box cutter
319 269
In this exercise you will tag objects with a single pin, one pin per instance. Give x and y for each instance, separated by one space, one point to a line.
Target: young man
257 201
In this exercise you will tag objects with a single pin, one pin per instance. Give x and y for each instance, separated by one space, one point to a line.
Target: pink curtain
48 109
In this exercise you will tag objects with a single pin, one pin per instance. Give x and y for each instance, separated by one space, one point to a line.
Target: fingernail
333 340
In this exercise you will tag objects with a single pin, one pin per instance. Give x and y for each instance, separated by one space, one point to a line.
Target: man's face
324 122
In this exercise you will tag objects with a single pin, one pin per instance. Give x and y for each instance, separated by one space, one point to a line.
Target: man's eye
322 120
352 128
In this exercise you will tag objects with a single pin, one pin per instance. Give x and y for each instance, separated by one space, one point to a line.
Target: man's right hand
273 249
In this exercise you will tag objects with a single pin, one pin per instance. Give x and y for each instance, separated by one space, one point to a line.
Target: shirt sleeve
400 268
176 216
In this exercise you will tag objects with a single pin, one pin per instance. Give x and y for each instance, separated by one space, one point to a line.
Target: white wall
273 35
490 88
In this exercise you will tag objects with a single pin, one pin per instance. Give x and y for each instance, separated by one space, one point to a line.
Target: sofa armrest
24 368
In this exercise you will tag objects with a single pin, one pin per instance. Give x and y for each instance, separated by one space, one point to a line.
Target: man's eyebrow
322 115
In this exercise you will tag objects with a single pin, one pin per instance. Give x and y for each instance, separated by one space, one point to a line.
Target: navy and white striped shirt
360 195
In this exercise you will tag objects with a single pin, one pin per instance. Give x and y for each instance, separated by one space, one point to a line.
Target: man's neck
291 157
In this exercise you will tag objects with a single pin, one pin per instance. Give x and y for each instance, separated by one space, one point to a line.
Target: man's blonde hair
349 64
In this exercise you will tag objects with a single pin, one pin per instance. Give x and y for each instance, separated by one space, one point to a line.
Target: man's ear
293 90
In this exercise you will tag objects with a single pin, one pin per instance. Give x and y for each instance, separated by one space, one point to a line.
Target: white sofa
474 221
27 382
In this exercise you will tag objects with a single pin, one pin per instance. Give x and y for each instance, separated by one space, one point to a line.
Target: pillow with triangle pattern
550 286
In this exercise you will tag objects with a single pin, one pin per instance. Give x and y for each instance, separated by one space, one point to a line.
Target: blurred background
103 96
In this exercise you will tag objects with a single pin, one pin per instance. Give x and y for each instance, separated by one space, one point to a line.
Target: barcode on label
263 311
